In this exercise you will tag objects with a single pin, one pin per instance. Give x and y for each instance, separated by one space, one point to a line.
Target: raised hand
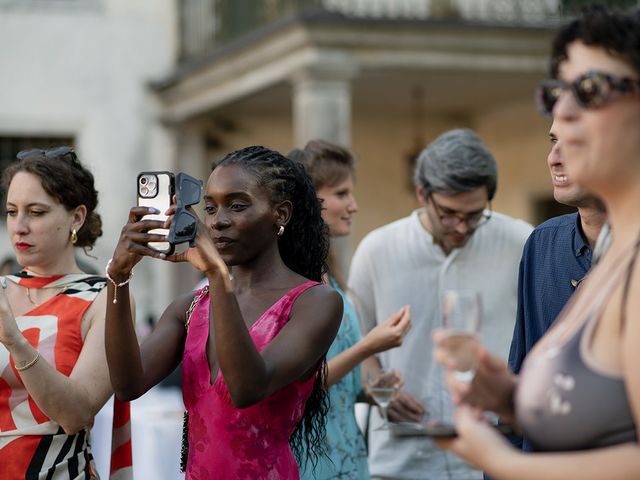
204 256
132 244
9 332
390 333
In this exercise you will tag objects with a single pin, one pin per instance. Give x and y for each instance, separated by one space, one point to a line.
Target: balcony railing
208 24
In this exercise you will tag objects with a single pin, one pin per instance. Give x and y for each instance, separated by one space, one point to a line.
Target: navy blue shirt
555 259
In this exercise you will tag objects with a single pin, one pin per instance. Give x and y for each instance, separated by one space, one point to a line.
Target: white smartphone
156 189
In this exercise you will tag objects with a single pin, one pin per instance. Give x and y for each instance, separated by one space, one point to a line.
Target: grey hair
455 162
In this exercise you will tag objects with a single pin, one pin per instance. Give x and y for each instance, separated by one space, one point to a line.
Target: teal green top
346 452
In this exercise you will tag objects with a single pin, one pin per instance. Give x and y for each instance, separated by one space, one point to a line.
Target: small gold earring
74 236
280 231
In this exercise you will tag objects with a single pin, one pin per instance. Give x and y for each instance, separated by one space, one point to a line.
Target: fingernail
154 210
162 255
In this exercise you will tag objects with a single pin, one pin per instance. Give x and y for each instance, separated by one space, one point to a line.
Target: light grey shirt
400 264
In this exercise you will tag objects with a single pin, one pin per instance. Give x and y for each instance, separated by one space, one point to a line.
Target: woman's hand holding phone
134 240
144 234
147 229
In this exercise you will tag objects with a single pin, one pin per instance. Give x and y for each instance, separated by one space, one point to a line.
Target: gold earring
74 236
280 231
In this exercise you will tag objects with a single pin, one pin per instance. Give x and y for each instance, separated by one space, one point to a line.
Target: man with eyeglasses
453 241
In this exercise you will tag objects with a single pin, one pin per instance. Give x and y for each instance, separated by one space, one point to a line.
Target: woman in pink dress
253 341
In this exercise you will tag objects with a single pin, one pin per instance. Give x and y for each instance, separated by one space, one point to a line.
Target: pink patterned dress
250 443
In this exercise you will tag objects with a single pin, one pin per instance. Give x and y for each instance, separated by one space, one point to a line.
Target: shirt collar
580 244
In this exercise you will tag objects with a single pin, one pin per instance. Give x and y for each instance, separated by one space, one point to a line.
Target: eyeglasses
184 225
591 90
451 219
47 153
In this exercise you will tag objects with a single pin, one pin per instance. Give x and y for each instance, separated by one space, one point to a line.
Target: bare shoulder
96 312
321 293
321 300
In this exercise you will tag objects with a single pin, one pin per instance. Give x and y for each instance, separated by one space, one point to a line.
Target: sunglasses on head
47 153
591 90
184 225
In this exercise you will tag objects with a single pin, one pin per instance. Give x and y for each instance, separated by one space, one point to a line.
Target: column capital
327 66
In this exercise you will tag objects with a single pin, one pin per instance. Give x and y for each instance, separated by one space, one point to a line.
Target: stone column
322 102
322 110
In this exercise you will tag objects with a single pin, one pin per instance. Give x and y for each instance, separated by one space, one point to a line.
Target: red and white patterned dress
32 446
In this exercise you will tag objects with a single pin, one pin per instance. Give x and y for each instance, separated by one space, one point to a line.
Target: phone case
156 189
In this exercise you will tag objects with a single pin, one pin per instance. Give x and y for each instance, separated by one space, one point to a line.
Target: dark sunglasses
47 153
185 224
591 90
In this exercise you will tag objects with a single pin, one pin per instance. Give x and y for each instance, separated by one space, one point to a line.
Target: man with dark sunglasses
454 241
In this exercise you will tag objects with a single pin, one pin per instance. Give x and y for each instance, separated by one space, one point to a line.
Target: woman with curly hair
253 341
53 374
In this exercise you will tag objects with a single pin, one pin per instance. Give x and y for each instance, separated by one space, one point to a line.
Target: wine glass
461 319
382 389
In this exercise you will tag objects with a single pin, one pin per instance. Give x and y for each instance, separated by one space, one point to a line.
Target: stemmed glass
461 320
382 389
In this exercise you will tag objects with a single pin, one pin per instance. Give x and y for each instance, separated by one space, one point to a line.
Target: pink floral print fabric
250 443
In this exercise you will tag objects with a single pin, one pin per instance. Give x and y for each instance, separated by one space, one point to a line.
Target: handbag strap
194 302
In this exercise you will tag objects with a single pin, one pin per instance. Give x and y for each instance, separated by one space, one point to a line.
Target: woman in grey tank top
578 395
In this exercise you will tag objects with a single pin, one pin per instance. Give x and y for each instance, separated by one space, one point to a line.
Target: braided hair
303 247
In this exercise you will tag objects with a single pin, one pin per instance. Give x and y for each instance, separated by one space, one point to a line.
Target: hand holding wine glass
382 388
461 319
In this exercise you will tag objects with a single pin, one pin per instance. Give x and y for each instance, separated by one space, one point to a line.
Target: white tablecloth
156 430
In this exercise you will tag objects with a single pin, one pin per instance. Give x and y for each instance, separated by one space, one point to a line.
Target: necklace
29 297
55 284
34 303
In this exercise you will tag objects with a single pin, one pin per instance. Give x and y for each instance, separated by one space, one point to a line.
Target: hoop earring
74 236
280 231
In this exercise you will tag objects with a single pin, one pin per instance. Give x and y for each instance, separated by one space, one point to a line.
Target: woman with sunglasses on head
253 342
54 375
578 395
332 169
